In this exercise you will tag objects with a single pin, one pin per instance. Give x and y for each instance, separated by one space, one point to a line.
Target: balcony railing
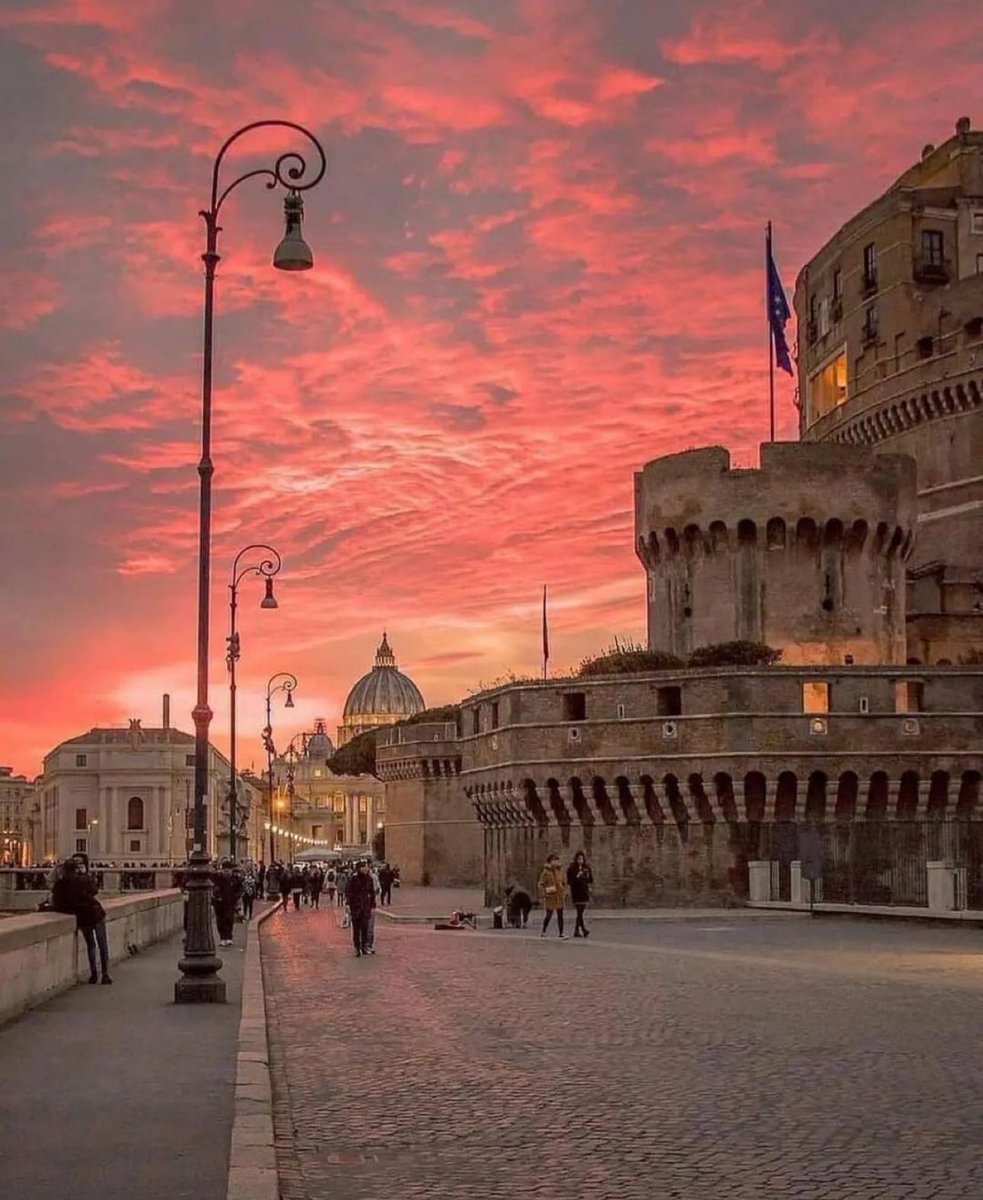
931 269
869 282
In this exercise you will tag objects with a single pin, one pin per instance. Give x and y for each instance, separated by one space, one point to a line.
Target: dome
384 691
318 745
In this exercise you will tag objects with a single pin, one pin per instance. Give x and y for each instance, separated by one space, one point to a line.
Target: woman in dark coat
580 880
74 893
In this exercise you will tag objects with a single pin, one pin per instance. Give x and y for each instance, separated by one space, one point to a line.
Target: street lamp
265 569
200 965
287 684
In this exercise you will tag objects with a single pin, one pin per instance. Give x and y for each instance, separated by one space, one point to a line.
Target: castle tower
890 330
806 553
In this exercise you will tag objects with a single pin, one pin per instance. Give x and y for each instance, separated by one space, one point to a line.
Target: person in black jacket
360 895
580 879
74 893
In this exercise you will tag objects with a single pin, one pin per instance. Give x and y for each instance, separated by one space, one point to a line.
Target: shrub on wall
735 654
356 757
628 658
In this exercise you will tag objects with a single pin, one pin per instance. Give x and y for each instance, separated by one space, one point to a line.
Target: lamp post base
200 964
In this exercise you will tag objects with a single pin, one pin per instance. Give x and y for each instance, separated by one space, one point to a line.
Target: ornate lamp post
288 684
266 569
200 965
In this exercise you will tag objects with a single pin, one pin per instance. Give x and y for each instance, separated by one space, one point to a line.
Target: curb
667 914
252 1158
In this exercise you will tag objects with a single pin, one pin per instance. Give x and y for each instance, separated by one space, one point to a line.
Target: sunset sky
538 265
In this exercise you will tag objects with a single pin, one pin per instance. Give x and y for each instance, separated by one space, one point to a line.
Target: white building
17 797
127 795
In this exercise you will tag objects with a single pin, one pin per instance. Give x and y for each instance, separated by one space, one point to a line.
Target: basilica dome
382 697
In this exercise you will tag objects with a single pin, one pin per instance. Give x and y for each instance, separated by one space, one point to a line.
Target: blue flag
778 312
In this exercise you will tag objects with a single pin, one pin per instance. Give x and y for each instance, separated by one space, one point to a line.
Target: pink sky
538 265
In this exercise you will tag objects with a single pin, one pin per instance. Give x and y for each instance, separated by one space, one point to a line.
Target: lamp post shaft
233 790
269 769
200 965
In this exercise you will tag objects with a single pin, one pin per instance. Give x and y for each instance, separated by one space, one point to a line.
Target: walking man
386 879
360 895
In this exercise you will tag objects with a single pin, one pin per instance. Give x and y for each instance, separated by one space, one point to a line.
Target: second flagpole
771 337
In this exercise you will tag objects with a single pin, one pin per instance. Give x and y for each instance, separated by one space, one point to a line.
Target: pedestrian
580 880
344 878
296 877
360 895
226 889
74 893
317 886
376 891
250 887
330 884
552 890
260 878
283 878
386 880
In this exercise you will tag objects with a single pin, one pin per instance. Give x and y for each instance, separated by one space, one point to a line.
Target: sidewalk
420 905
116 1093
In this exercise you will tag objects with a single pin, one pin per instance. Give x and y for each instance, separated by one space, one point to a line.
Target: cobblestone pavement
747 1061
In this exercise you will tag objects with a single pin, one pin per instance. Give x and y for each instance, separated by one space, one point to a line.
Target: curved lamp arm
267 567
289 171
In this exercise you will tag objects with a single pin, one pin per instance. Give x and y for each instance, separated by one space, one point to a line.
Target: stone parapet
41 954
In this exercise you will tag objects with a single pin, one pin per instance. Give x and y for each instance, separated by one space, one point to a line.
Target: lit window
828 387
907 696
815 697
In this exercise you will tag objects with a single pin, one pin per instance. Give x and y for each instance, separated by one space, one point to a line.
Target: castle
857 552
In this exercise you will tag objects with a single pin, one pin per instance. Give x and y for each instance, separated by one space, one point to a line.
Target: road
726 1057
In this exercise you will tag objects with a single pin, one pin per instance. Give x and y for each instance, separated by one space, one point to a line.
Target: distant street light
266 569
200 965
287 684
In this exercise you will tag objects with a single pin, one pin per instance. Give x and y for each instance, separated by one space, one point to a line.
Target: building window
80 760
925 345
815 697
189 760
837 286
621 712
976 221
494 714
81 846
669 701
828 387
870 267
476 720
81 818
134 813
574 706
134 845
870 326
812 328
979 264
908 696
317 772
932 248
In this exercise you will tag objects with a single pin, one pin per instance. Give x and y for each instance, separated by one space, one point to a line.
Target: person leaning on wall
74 893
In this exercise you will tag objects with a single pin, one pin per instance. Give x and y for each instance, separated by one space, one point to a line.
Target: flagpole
771 336
546 639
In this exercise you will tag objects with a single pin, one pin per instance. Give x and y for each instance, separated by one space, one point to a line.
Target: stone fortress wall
432 831
667 779
806 553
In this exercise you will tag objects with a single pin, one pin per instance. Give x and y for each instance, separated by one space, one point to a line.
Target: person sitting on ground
74 893
518 906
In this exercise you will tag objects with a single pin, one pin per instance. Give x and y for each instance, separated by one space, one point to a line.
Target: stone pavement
116 1093
689 1060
